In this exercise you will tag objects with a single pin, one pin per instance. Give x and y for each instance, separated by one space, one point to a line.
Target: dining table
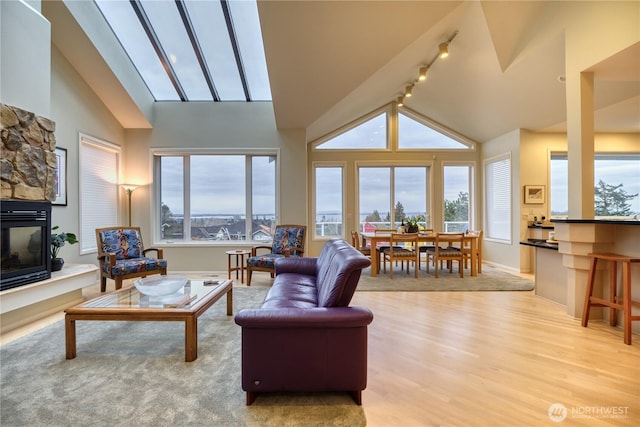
374 240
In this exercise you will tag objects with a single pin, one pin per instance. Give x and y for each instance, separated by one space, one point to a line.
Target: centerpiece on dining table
413 223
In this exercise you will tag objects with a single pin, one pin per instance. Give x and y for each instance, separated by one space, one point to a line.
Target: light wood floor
486 359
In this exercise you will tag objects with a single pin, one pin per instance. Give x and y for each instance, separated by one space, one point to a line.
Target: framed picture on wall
61 174
534 194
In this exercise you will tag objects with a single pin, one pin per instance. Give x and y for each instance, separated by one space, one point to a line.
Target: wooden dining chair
358 242
448 248
466 249
422 248
403 247
382 247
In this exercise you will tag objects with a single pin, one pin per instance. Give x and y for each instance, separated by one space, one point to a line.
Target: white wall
75 108
25 41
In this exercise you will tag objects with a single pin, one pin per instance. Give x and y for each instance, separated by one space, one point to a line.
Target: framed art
534 194
61 175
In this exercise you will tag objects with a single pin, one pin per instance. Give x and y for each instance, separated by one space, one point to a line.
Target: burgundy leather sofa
305 337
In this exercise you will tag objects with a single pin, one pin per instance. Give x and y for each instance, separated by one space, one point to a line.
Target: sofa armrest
301 318
305 266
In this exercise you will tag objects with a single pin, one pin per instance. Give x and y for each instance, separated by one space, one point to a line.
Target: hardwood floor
486 359
493 359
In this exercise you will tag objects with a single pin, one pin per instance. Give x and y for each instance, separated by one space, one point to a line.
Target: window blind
98 173
498 197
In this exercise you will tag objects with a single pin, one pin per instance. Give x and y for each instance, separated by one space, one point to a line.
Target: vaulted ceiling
330 62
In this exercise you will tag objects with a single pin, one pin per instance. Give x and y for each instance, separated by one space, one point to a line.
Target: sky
612 172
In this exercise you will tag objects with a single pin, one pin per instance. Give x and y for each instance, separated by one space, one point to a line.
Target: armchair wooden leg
103 284
118 283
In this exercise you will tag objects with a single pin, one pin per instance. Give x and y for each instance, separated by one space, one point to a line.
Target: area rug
133 373
491 279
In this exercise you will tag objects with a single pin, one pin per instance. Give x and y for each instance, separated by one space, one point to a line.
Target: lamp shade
129 187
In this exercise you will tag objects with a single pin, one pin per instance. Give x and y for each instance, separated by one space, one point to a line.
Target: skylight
193 50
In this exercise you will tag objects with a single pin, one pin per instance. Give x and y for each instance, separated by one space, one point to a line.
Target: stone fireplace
29 179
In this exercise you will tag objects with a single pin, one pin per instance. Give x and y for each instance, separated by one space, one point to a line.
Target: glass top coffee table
129 304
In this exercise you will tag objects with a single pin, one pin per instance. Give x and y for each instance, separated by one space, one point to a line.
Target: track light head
443 50
400 101
423 74
407 91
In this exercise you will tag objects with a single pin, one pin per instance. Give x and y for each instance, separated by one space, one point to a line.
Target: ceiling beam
197 49
236 49
155 42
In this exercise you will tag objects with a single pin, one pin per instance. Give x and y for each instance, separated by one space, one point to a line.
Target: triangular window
367 135
414 134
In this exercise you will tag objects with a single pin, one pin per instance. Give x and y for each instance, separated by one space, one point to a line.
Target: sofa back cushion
337 273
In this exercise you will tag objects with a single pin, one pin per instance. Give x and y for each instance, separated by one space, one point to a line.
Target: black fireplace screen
25 243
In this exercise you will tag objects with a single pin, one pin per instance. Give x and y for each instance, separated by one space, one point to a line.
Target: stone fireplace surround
28 160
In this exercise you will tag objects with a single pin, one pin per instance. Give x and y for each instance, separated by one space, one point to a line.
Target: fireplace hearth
25 242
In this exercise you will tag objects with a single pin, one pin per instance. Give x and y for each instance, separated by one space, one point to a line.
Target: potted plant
413 223
58 240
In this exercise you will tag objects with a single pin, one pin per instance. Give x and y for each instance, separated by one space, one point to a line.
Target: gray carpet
491 279
133 373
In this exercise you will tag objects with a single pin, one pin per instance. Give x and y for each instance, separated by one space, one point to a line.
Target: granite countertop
543 226
539 243
630 221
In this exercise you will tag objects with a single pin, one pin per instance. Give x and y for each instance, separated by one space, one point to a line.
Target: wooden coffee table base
188 315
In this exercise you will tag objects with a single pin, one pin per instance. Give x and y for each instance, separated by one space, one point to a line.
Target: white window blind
498 197
99 163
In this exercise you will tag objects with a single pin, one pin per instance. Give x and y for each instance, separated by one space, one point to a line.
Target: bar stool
614 301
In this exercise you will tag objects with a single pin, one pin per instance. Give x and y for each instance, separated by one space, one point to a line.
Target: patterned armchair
122 256
287 240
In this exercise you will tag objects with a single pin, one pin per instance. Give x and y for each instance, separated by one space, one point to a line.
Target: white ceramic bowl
160 285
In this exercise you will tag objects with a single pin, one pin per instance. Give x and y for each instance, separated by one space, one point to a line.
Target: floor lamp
129 189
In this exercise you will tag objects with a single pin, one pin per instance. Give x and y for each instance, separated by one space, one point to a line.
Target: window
193 50
457 190
497 183
417 132
559 188
99 176
617 184
371 133
387 195
328 201
208 197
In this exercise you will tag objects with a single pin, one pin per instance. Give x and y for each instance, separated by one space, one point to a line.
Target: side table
239 263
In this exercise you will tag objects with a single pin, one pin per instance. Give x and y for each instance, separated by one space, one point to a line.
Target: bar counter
579 237
634 221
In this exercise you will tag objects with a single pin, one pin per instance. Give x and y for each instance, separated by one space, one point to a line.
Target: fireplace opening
25 243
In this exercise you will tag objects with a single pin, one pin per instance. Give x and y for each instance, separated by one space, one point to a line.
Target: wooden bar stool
614 300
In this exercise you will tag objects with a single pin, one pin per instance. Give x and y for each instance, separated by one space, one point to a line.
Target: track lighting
443 49
423 74
407 91
443 52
